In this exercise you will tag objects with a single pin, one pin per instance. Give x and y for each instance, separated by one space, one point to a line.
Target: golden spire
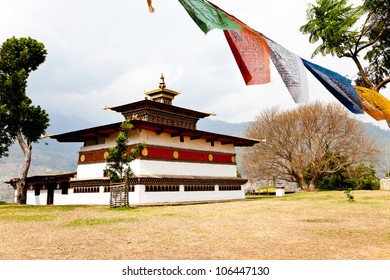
162 82
162 94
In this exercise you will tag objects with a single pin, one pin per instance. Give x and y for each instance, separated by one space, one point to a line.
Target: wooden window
162 188
230 188
64 187
37 188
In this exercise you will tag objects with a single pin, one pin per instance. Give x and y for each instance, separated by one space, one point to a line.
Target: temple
179 163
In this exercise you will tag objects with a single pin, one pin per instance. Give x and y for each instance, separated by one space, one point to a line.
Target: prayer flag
338 85
251 53
151 9
249 48
208 16
374 104
291 69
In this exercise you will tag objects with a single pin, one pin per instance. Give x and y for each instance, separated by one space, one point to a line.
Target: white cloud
107 53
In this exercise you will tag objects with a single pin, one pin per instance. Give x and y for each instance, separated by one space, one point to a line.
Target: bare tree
314 137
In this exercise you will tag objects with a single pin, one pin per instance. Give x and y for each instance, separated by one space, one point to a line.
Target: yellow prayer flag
374 103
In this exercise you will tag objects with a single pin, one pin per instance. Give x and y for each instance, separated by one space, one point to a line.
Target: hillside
234 129
383 139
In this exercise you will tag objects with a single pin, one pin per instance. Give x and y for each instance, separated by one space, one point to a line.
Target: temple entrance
50 193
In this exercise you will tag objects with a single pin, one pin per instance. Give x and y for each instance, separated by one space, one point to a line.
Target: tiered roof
159 115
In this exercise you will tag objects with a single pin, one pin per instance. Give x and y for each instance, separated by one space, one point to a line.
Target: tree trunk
363 73
27 151
312 187
301 182
312 184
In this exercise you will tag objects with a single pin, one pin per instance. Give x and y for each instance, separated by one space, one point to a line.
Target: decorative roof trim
96 132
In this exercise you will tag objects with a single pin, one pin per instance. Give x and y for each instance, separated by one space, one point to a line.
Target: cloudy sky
109 52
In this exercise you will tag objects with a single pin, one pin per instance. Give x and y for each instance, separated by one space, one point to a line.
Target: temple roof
174 131
149 104
158 108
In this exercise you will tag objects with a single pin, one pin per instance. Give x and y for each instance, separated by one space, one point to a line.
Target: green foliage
334 23
119 158
334 163
354 177
378 30
349 195
33 121
362 177
6 136
21 55
330 21
18 57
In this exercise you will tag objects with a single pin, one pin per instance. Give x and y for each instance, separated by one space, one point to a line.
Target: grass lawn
304 226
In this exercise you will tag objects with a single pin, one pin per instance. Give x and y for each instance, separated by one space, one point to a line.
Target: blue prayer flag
338 85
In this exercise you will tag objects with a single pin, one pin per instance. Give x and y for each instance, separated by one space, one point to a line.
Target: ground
302 226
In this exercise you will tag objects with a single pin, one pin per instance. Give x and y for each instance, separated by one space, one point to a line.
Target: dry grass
304 226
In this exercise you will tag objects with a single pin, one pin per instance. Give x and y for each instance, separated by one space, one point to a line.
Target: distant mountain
49 156
221 127
61 124
383 138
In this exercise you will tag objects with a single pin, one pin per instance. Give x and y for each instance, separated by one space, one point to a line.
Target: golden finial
162 82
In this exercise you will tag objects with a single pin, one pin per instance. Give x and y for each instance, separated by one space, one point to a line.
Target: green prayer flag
207 16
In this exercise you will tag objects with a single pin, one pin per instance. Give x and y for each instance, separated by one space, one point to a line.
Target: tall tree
354 32
19 119
316 137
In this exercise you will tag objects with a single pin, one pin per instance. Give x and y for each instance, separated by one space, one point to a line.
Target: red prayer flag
251 53
250 50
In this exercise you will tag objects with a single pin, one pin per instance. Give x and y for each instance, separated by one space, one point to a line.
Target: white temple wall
100 198
33 199
182 196
87 171
155 167
139 196
166 140
150 167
